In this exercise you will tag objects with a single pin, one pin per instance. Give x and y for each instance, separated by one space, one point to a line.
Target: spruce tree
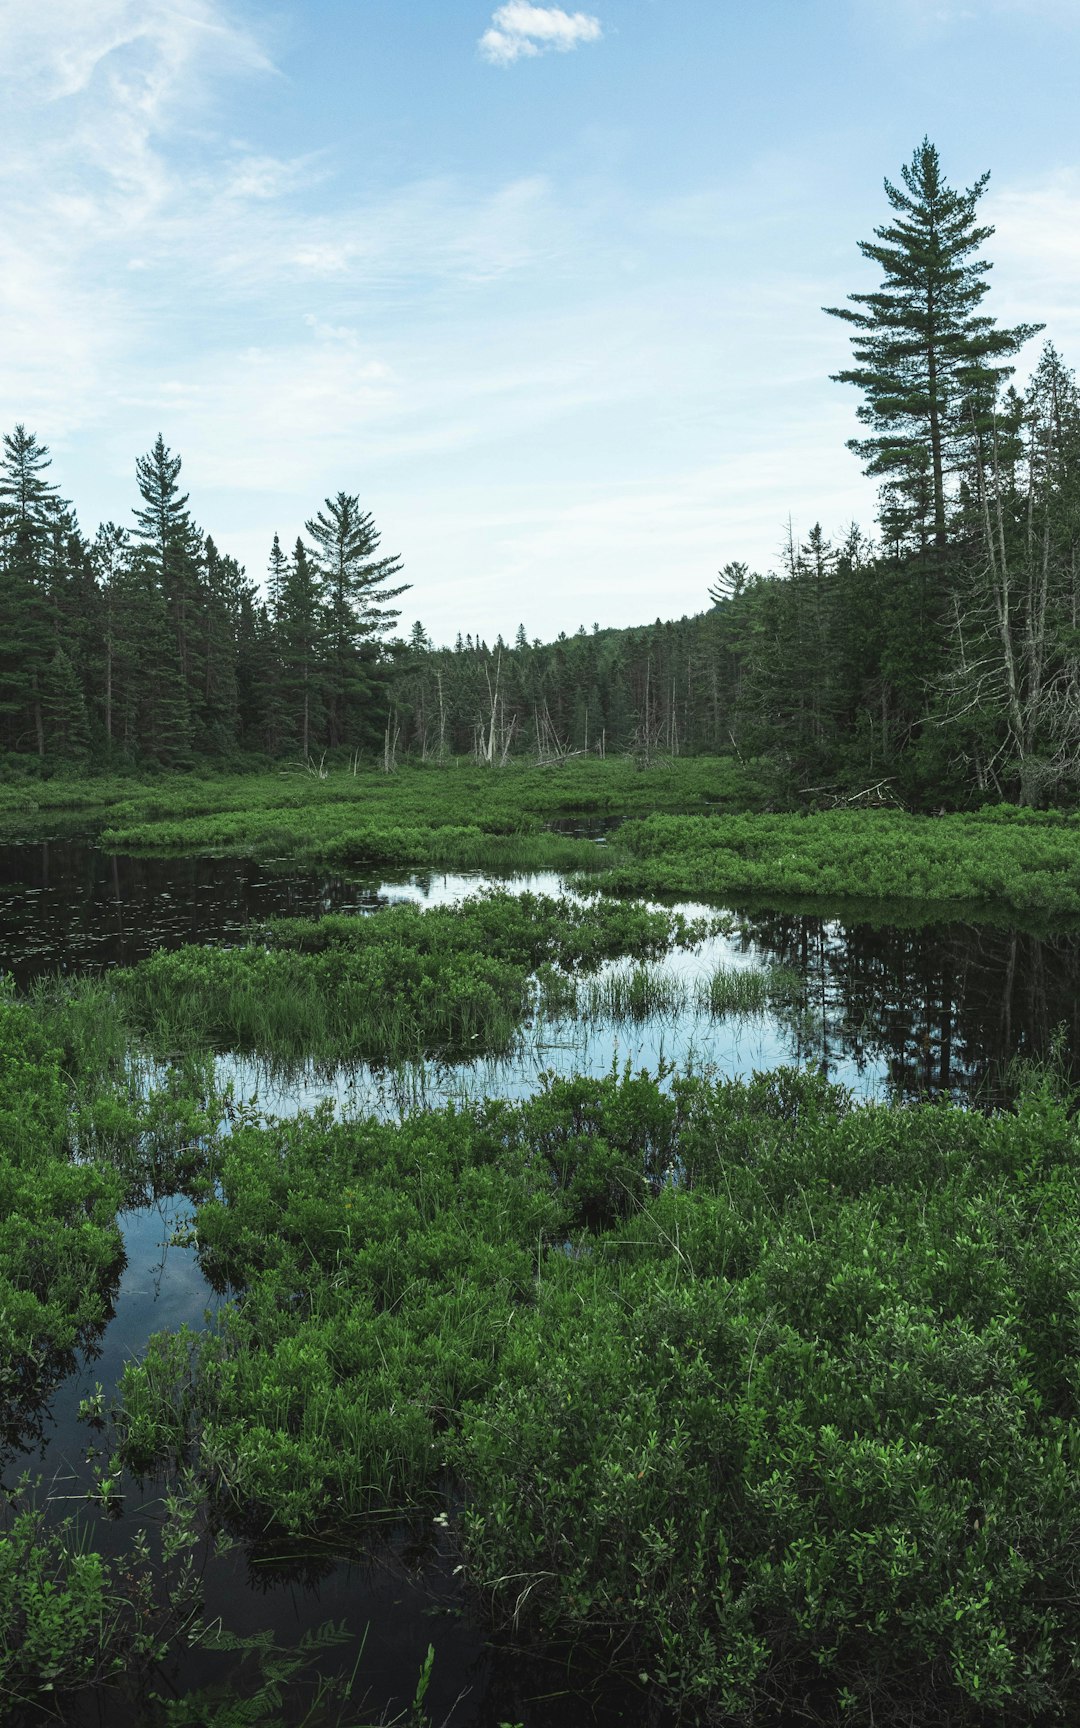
171 550
65 710
110 557
277 574
220 607
929 362
357 610
302 636
28 508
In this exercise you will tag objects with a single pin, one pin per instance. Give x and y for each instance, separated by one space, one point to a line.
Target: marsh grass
749 990
693 827
634 993
640 993
448 982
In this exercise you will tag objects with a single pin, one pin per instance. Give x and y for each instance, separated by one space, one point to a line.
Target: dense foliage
59 1246
451 982
814 1443
768 1401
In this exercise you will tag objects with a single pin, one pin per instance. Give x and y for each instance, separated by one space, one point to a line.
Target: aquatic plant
748 989
60 1249
1026 861
453 981
772 1393
640 992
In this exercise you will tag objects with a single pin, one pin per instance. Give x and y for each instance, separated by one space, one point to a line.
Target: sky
541 286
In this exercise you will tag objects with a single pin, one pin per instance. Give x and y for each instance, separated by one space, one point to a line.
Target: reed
633 993
749 990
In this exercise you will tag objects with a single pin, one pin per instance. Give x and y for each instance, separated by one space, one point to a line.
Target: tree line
149 645
938 659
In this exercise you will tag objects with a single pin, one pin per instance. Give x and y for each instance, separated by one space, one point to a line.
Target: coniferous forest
937 655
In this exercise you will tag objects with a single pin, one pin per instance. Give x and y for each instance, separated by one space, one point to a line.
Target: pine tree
277 574
302 635
357 610
220 607
110 556
65 710
28 508
171 549
929 362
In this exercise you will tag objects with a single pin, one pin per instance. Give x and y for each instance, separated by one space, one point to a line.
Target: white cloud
520 31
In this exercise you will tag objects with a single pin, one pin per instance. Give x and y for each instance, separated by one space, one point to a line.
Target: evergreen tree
357 610
110 556
65 710
929 362
302 635
28 508
277 574
220 607
171 550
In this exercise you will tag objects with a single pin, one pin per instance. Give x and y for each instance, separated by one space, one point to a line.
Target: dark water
66 906
912 1011
945 1008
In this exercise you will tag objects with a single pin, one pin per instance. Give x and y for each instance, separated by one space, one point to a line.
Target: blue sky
542 286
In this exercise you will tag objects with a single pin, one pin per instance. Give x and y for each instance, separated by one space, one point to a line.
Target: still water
888 1009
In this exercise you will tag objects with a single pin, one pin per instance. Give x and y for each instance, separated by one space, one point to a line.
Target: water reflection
65 905
886 1007
940 1009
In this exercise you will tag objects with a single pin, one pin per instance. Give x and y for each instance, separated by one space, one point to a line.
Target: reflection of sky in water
162 1288
732 1046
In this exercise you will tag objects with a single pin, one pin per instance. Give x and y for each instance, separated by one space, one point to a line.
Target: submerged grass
647 992
633 993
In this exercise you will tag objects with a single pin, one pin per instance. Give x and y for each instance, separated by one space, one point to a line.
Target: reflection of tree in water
946 1006
28 1385
64 904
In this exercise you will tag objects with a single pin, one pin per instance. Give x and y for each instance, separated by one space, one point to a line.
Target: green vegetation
770 1402
1001 857
1026 861
750 989
817 1440
448 981
647 992
60 1252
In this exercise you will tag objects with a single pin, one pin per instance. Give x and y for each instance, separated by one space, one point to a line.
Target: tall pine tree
929 362
357 610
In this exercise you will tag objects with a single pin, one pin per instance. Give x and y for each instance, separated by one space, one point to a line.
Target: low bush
775 1396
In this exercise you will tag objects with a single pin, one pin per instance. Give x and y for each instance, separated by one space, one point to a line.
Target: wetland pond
889 1010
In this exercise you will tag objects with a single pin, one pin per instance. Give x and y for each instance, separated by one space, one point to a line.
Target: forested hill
939 660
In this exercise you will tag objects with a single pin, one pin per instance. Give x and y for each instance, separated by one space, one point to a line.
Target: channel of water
889 1009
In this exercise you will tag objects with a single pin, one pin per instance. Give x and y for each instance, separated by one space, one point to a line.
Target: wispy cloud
520 31
930 17
1036 254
